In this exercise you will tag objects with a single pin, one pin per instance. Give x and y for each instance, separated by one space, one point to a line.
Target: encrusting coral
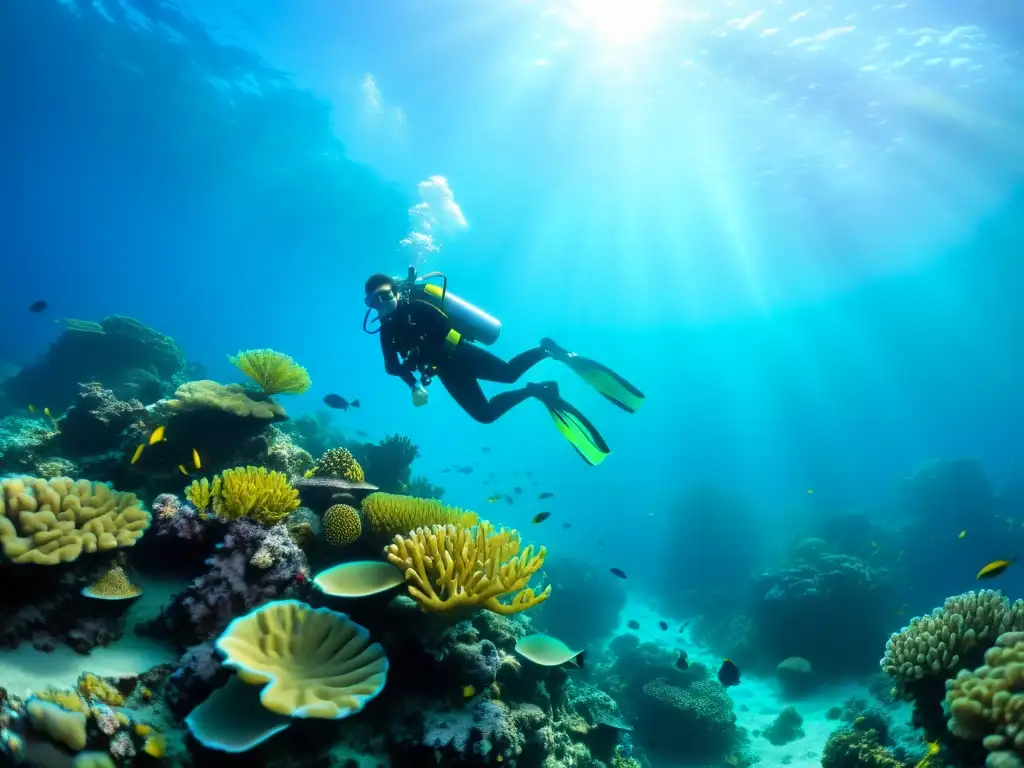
275 372
266 497
338 462
451 567
341 525
46 522
389 514
230 398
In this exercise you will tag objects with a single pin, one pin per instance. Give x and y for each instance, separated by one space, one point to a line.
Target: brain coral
987 704
934 645
342 525
47 522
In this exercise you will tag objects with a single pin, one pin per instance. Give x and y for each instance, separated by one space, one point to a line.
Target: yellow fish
157 436
468 691
138 453
31 408
993 569
181 468
933 749
962 534
492 499
195 460
47 412
809 490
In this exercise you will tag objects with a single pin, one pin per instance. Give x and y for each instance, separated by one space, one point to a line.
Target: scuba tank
469 321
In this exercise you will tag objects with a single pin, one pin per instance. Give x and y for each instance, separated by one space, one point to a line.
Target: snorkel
385 304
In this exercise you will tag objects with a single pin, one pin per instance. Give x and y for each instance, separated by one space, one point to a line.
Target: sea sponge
61 725
113 585
275 372
339 462
46 522
314 663
452 567
342 525
266 497
934 645
389 514
230 398
986 704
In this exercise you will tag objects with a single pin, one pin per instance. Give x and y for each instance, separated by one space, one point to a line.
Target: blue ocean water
797 227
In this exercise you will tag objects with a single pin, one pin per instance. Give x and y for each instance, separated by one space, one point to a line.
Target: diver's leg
487 366
466 391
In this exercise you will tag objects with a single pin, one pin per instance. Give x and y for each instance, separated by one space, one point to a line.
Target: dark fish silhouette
633 624
728 674
540 517
485 449
517 489
546 495
465 470
361 433
37 306
617 571
684 625
663 625
508 498
340 403
567 525
682 663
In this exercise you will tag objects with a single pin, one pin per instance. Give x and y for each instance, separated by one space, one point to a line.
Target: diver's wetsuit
419 333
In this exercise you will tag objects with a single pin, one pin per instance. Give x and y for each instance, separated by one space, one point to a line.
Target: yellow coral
63 726
455 566
342 525
72 701
265 496
389 514
113 585
155 746
230 398
275 372
46 522
313 662
94 688
339 462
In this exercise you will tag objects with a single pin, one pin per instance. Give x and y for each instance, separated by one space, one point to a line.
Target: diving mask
384 300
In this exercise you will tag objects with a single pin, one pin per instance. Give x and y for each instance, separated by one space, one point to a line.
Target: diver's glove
419 395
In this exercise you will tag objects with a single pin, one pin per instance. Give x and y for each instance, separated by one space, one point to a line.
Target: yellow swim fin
602 378
576 428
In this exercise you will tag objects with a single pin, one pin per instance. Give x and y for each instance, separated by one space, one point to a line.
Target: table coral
455 566
47 522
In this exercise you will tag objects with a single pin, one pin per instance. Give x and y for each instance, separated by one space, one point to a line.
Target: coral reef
266 497
795 675
388 463
577 613
696 721
388 515
342 525
787 727
338 462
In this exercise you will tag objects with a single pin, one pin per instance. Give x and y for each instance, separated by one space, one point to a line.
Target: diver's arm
391 364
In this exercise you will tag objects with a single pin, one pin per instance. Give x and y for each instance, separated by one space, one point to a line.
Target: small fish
517 489
468 691
465 470
138 453
810 490
494 498
663 625
361 433
181 468
339 403
31 408
616 571
728 673
962 534
37 306
508 499
683 626
546 495
682 663
633 624
158 435
548 651
46 412
485 449
540 517
566 526
600 543
196 461
995 568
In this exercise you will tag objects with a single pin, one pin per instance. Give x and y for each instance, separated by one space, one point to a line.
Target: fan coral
275 372
47 522
250 491
390 514
338 462
342 525
934 645
468 568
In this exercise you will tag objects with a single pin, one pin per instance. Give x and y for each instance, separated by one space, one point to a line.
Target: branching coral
266 497
338 462
933 645
456 566
390 514
47 522
275 372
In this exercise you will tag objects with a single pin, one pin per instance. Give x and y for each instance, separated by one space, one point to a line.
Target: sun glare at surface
617 22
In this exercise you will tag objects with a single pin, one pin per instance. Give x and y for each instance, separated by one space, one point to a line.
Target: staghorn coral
933 645
266 497
338 462
389 514
231 398
342 525
47 522
275 372
986 705
455 566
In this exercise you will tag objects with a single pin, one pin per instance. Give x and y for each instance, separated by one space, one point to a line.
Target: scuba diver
424 329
